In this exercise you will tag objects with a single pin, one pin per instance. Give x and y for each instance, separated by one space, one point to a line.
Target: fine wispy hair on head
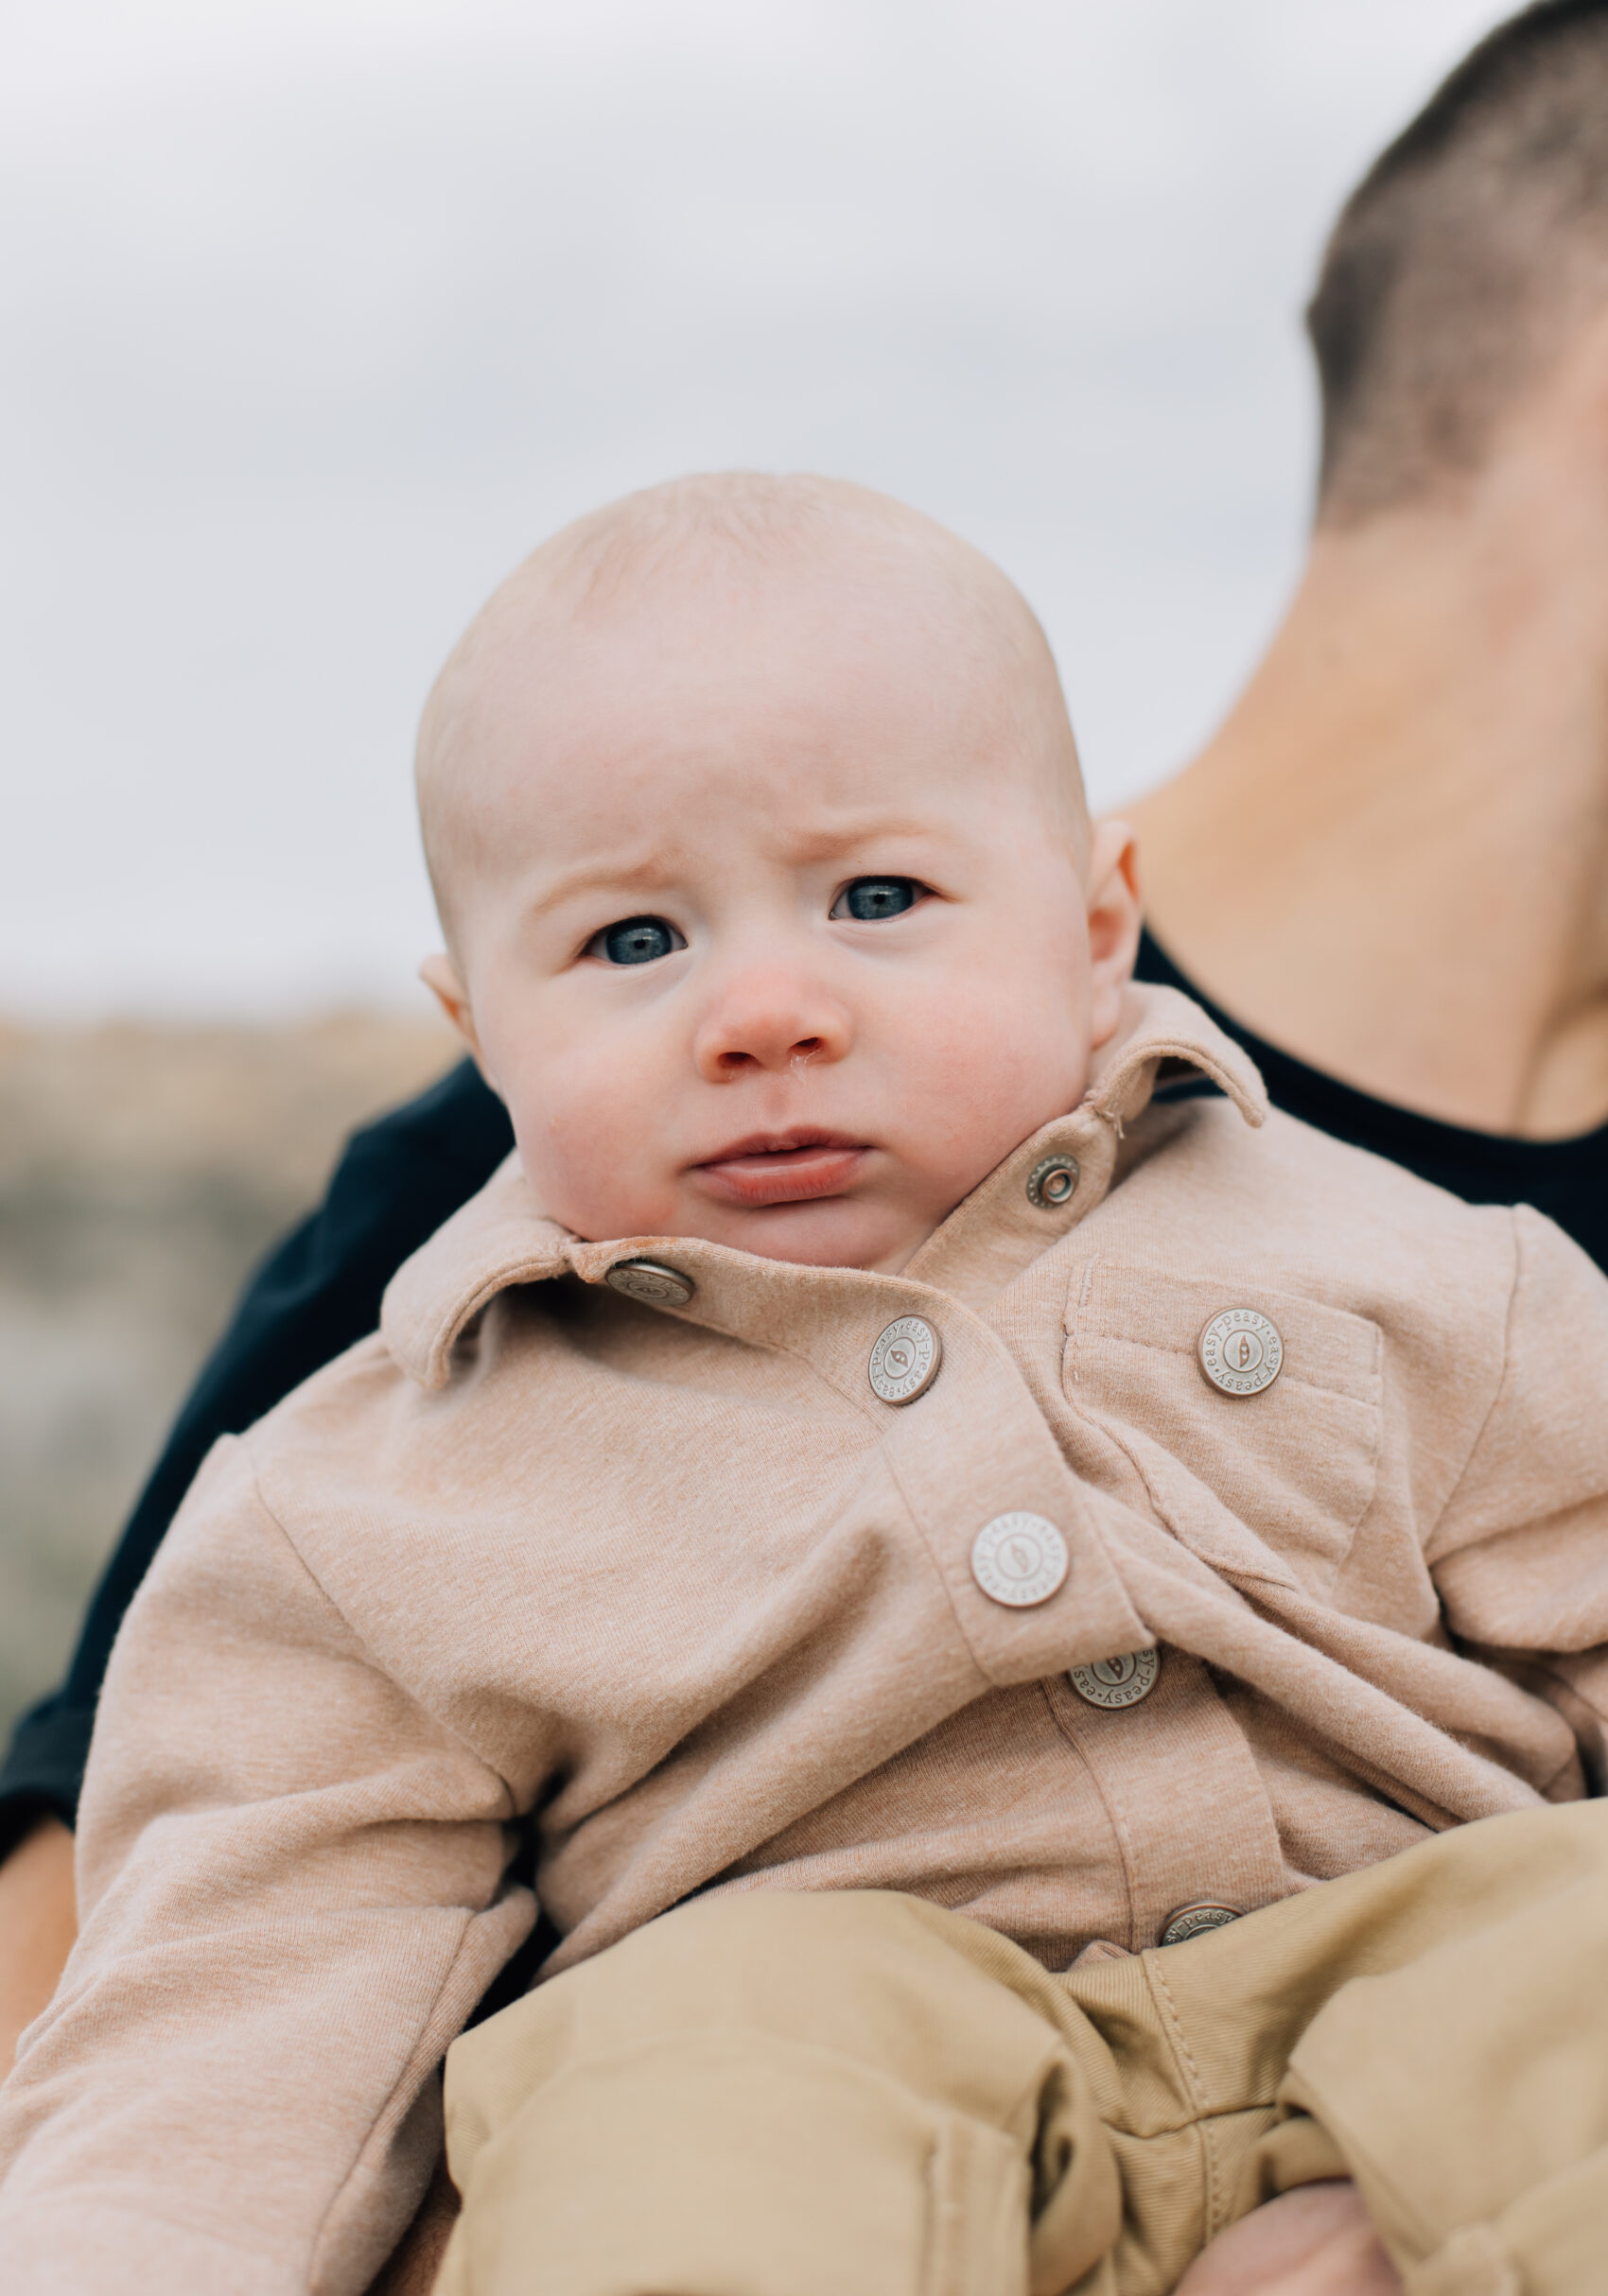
735 518
739 523
1464 262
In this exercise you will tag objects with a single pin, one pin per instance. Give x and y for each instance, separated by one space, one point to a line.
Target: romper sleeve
320 1290
293 1882
1520 1553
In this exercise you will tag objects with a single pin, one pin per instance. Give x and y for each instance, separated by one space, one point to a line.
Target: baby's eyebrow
649 873
825 844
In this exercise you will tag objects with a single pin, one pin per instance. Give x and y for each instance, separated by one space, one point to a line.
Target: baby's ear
439 974
1114 917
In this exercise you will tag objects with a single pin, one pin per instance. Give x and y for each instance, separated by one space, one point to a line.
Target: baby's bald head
771 905
727 573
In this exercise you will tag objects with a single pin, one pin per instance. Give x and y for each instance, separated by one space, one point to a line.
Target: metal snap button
1053 1182
651 1280
905 1358
1115 1682
1241 1351
1019 1560
1195 1920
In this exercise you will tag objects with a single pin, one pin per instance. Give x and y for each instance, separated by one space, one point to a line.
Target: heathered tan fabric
677 1582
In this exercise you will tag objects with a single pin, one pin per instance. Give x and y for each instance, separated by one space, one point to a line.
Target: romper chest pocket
1296 1463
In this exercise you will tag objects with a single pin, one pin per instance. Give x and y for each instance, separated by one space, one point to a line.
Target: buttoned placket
1179 1782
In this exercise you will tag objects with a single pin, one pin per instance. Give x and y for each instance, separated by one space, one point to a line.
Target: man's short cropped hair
1464 262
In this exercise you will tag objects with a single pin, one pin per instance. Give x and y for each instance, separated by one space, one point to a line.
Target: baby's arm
292 1895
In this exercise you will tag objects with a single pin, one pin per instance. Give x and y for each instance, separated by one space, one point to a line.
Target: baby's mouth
782 1168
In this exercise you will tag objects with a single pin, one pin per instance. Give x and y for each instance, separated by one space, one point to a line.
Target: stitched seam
1497 1390
935 1564
1074 1319
1114 1815
1156 1978
1211 2169
1297 1287
314 1579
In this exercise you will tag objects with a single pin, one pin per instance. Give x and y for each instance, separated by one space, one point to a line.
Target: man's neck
1392 859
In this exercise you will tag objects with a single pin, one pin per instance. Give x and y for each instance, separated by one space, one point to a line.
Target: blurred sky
319 314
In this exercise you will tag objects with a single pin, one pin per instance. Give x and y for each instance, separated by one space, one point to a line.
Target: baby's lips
792 1175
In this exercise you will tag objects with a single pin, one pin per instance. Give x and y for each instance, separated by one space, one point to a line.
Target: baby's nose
772 1024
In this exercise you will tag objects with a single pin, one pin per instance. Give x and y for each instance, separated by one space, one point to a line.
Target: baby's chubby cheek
592 1136
998 1045
987 1067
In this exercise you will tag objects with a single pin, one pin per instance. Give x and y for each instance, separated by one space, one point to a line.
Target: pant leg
1469 2089
843 2093
1435 2025
771 2095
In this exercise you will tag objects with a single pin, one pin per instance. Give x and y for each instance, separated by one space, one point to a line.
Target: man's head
772 906
1468 259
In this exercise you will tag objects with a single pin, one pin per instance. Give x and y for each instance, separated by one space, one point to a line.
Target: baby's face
772 929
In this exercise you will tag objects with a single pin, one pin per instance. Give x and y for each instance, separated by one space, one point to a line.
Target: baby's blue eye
634 941
871 899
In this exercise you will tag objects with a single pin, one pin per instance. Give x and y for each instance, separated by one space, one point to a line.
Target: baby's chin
879 1247
834 1232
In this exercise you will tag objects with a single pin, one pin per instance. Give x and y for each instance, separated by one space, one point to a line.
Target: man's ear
1114 919
441 975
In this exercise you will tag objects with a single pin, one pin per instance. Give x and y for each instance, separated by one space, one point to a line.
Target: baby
910 1458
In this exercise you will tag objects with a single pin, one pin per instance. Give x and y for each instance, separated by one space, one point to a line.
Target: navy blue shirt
401 1178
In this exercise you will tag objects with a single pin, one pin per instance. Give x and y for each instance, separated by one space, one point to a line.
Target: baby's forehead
678 670
734 549
663 643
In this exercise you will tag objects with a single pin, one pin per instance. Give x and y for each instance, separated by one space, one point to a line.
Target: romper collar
500 1238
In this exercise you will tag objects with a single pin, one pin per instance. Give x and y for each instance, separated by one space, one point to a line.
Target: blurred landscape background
316 315
143 1170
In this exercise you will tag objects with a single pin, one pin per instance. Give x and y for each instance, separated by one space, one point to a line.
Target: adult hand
38 1922
1316 2240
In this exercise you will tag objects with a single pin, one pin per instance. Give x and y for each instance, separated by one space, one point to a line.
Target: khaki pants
861 2094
